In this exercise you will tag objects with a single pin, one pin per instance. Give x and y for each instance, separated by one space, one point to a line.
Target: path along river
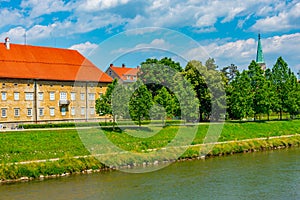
260 175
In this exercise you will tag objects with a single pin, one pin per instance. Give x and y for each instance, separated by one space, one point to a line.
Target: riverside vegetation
19 146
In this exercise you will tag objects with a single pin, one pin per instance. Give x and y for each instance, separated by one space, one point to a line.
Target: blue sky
116 30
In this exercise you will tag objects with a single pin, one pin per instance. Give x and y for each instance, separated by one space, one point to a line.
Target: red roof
122 72
45 63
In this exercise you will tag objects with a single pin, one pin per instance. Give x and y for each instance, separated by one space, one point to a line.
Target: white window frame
29 112
3 96
52 112
41 112
92 111
73 96
92 96
82 96
16 96
3 112
41 96
29 96
82 111
73 111
52 96
63 96
17 112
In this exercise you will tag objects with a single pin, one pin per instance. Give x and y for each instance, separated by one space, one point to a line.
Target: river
260 175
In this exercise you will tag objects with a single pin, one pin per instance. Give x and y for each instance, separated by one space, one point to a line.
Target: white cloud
84 48
96 5
287 19
159 44
241 52
16 35
38 8
10 17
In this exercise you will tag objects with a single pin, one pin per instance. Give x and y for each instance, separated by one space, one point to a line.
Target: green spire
259 55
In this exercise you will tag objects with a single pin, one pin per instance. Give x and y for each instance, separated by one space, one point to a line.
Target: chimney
123 65
7 43
138 67
111 65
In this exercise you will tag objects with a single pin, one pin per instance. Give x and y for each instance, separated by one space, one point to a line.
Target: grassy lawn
33 145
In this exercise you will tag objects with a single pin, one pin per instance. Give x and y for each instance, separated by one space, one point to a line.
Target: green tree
283 80
258 89
240 100
165 99
230 72
103 104
140 103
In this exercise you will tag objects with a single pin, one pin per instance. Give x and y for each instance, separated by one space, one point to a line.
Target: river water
261 175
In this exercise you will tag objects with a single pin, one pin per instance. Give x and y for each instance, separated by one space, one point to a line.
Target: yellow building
45 85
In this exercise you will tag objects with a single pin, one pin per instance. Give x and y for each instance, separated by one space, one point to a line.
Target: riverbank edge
10 173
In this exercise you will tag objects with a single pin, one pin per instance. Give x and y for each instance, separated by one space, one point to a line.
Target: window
128 77
82 110
52 96
52 112
17 112
73 96
4 112
16 96
92 96
63 111
16 84
29 96
41 96
3 96
109 73
41 111
72 111
92 110
29 112
82 96
63 96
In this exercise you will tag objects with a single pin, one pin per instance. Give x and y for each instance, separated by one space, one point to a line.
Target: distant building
123 74
259 55
45 85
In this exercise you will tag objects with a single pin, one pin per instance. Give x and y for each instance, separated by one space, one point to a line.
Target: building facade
45 85
123 74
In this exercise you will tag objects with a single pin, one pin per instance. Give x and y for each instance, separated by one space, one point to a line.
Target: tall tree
103 104
241 98
282 80
230 72
258 89
140 103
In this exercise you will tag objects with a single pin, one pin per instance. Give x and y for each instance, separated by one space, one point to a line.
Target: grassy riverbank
21 146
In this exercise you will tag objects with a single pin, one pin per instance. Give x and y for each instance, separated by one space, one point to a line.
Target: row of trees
254 92
202 92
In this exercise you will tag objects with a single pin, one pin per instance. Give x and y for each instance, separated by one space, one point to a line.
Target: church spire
259 55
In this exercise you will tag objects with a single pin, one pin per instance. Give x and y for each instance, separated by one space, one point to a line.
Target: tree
230 72
103 104
165 99
210 64
258 89
209 87
241 99
282 79
140 103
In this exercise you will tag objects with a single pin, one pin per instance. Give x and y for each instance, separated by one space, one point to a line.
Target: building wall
43 108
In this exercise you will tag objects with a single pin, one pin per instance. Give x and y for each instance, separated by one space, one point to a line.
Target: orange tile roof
45 63
123 71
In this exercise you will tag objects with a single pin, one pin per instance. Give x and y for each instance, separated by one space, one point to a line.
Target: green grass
35 145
